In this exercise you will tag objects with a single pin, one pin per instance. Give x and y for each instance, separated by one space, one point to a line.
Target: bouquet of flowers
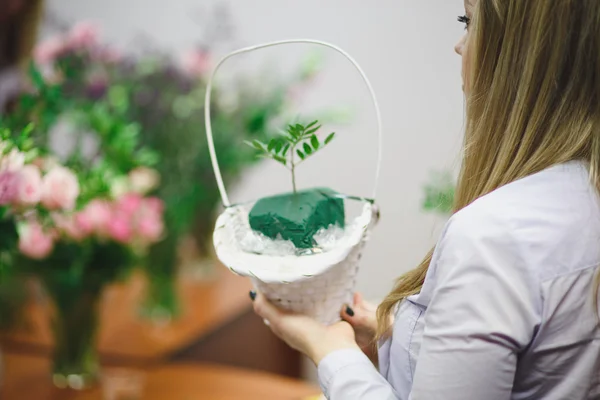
77 183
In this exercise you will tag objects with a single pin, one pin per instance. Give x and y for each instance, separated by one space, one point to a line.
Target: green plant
439 194
298 140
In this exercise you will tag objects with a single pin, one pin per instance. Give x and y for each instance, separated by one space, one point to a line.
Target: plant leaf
278 146
293 131
330 137
307 149
312 124
280 159
313 130
314 142
300 154
286 148
272 144
258 145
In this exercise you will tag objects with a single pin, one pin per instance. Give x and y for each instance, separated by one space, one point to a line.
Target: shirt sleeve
483 312
350 375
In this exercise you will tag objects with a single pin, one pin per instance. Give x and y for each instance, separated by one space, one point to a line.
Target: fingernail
252 295
350 311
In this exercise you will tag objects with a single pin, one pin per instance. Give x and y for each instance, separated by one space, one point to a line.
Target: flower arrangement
82 194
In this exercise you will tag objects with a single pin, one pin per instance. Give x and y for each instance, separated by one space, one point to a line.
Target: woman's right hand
362 316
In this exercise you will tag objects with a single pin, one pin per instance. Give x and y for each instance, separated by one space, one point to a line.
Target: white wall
406 48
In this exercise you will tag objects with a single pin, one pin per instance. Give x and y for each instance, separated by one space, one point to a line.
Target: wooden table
126 337
26 378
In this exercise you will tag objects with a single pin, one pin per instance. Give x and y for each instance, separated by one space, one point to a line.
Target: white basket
316 285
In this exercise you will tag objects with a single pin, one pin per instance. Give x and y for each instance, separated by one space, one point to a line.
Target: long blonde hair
533 102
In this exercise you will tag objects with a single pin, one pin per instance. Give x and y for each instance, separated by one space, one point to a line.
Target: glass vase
75 324
161 303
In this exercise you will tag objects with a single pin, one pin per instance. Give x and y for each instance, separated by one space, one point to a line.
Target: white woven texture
316 285
320 296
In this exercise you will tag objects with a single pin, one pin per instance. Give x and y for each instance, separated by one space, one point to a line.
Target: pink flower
110 55
143 179
94 218
9 184
150 229
68 226
129 204
34 242
196 62
149 222
154 205
29 188
12 161
50 49
119 228
60 189
83 35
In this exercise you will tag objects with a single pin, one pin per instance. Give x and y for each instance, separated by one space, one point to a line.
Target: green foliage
117 150
297 140
116 135
439 194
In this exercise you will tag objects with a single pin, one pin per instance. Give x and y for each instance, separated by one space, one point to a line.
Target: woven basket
317 284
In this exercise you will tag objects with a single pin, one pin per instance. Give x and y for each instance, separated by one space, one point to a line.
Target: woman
506 306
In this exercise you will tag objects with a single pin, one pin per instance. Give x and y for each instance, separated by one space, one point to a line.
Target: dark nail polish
252 295
350 311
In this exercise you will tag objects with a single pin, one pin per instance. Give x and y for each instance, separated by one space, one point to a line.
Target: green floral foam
298 216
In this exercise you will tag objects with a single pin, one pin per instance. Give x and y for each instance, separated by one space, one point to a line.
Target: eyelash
465 20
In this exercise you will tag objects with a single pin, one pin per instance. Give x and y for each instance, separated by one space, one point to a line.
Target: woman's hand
362 316
304 333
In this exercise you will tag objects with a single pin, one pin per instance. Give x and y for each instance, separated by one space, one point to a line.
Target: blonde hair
534 101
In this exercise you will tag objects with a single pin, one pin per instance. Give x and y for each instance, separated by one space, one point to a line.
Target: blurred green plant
439 194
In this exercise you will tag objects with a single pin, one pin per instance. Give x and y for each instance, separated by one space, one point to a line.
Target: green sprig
297 141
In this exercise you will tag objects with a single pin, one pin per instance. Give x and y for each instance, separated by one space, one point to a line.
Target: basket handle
207 121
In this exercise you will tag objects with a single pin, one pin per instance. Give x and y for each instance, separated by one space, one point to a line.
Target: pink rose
60 189
94 218
12 161
34 242
129 204
83 35
50 49
9 185
119 228
196 63
149 222
150 228
69 227
154 205
29 189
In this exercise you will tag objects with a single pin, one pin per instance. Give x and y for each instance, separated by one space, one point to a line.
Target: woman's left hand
304 333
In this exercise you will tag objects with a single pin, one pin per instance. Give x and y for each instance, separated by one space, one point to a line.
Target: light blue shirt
507 307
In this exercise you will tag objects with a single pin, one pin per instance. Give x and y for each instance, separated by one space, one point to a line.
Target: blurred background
114 90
